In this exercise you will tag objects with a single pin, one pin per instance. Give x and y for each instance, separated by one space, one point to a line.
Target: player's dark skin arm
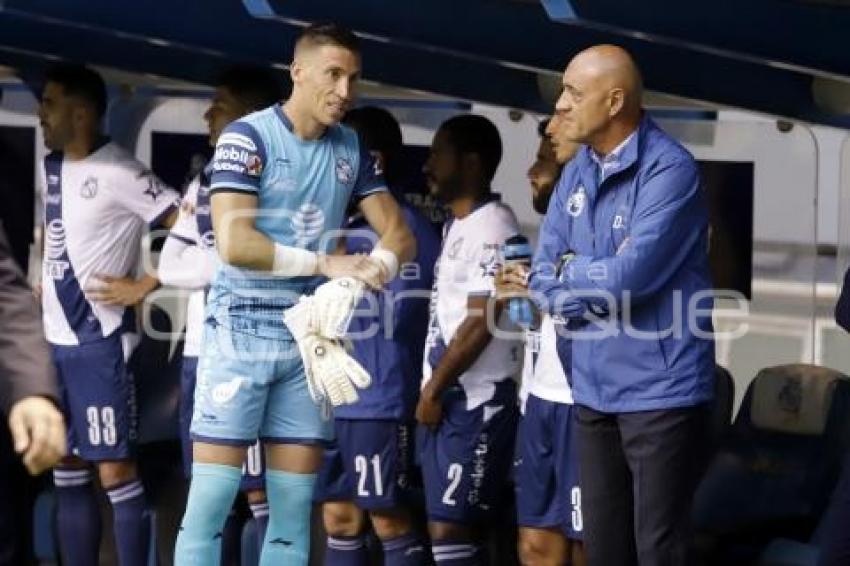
469 341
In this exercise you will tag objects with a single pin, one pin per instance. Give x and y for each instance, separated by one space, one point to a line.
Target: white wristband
293 262
388 259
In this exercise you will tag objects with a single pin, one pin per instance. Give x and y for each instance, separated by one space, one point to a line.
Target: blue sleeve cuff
369 174
381 188
185 240
235 187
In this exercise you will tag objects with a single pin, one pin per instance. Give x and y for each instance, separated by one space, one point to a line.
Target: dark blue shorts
98 398
253 471
370 464
466 461
546 468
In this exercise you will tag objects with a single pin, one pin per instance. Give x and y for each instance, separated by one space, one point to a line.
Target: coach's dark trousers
638 475
835 548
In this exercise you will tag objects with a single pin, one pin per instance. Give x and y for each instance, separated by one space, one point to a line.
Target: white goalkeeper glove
333 376
333 304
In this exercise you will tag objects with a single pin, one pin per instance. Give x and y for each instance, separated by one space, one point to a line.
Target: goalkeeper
282 179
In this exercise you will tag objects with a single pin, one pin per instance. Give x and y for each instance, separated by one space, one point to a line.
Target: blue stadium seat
775 469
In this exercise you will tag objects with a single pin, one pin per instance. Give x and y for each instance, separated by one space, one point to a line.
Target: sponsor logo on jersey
54 247
403 454
55 269
344 171
479 469
55 239
89 188
576 202
237 160
232 138
254 166
227 166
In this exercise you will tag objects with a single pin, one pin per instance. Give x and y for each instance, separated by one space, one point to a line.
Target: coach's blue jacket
626 260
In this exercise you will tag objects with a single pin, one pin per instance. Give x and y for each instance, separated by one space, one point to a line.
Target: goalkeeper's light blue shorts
251 381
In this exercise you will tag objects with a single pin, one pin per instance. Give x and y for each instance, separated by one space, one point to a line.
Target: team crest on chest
576 202
89 188
344 171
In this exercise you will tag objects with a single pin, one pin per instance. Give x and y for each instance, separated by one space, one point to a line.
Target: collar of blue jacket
611 161
623 156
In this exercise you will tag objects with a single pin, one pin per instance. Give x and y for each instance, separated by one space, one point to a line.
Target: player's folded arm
667 223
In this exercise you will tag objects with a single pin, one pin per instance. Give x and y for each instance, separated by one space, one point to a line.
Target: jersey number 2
454 476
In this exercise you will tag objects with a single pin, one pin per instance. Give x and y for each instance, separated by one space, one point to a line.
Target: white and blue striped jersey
466 268
193 259
95 212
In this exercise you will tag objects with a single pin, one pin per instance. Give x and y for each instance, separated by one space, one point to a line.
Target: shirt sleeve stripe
185 240
230 187
157 220
360 196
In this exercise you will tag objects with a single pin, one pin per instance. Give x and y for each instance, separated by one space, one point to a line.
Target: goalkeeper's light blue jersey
303 189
